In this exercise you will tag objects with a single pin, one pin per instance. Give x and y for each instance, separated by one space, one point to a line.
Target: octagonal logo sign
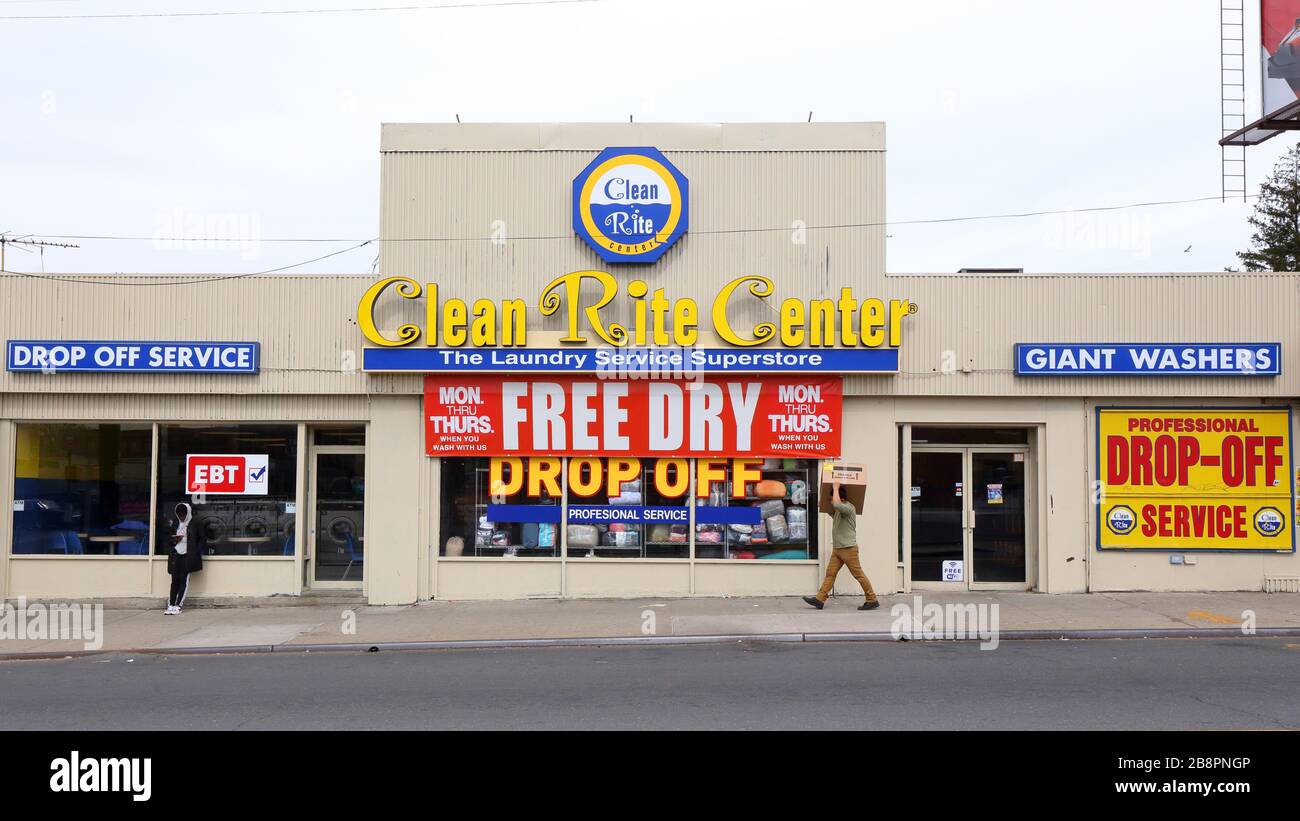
630 204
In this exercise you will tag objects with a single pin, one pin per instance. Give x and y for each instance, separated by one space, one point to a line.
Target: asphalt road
1098 684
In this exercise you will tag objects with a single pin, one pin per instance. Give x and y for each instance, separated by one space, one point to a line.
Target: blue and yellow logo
1269 521
1121 520
630 204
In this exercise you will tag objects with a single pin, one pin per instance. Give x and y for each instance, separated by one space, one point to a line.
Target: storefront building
614 361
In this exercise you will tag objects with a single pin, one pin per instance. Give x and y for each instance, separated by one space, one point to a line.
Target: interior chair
353 556
72 543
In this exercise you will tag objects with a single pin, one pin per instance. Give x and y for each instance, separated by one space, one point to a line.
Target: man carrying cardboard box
844 540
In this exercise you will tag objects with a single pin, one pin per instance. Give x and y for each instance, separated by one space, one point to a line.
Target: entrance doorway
337 536
968 512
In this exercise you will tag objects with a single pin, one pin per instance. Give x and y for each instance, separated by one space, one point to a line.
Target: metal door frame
968 519
313 484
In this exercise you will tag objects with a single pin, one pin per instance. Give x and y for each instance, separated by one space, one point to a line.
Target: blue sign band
631 514
727 516
1155 359
131 356
629 363
523 513
603 514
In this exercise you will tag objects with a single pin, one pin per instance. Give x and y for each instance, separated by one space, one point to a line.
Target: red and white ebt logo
235 474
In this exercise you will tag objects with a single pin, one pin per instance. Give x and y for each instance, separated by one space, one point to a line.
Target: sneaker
814 601
170 611
869 605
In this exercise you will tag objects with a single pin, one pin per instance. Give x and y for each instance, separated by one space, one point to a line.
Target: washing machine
216 519
335 521
259 518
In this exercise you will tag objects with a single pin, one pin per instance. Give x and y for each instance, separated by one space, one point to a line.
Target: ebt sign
630 204
227 474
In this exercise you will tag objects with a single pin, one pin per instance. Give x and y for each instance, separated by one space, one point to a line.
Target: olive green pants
845 557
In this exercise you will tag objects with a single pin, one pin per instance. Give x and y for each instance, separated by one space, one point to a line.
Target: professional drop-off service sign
570 416
1180 479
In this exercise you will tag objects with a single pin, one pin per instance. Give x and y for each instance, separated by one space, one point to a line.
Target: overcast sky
269 125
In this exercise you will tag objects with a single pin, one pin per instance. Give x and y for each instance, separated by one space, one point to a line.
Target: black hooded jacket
195 543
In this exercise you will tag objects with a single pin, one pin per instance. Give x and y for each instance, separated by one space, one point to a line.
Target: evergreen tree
1275 246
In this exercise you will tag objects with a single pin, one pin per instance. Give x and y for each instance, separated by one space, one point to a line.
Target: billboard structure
1280 53
1279 43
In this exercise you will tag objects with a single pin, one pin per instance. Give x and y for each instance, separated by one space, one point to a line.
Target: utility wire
104 281
361 244
267 12
719 231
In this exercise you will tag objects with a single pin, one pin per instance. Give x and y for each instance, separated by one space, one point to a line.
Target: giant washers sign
1155 359
630 204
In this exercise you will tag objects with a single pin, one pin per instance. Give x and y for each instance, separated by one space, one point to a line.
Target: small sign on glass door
953 571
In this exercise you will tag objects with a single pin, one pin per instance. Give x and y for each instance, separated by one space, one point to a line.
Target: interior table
110 541
249 540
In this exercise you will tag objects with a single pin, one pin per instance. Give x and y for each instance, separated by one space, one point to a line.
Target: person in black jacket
184 558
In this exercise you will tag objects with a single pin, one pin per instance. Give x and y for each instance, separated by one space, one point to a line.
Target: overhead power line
282 12
188 281
716 231
363 243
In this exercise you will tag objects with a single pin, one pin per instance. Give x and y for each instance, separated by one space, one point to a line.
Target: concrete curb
615 641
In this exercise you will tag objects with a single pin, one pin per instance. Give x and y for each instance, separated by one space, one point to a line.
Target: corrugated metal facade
441 208
306 326
464 199
973 322
485 212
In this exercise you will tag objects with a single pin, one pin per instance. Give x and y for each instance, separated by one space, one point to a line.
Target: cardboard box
853 485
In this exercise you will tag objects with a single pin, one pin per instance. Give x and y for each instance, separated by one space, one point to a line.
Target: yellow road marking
1216 618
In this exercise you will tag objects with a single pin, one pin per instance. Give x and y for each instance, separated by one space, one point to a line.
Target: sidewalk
263 625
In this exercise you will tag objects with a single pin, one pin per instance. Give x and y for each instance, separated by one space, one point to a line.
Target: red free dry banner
575 416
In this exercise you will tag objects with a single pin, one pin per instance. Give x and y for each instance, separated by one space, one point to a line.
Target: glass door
997 500
938 514
968 513
338 539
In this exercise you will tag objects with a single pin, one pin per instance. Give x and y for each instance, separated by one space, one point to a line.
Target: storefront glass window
256 517
629 508
785 524
666 484
82 489
526 503
354 435
970 436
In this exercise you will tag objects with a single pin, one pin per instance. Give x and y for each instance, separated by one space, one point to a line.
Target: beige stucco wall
62 577
394 506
